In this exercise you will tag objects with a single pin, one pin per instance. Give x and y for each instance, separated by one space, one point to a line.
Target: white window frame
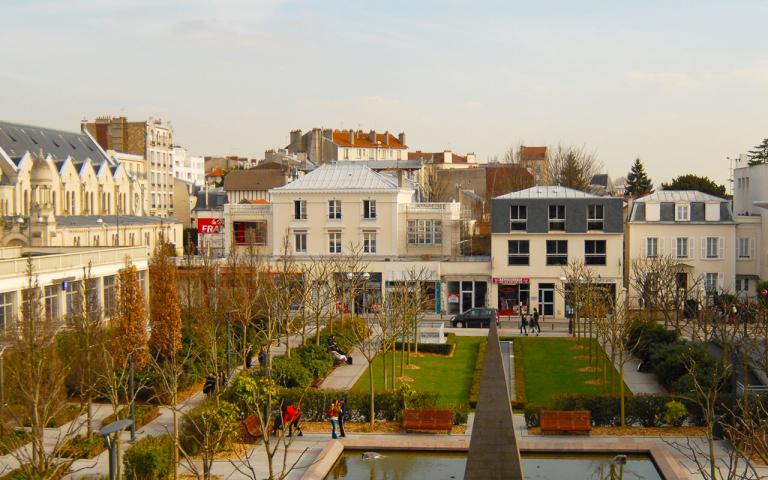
369 209
300 246
369 241
516 220
556 220
334 209
682 241
744 251
711 282
302 209
593 219
651 252
334 242
711 248
425 232
7 309
682 212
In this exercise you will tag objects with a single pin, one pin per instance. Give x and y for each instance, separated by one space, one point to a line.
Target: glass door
547 299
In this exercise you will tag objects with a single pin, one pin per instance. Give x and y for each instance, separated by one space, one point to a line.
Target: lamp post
132 387
2 391
111 442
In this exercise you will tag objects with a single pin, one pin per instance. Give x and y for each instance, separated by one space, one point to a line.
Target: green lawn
451 377
549 369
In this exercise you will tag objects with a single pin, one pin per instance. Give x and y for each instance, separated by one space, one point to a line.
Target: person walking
291 418
523 322
535 321
277 421
333 417
210 384
342 416
249 356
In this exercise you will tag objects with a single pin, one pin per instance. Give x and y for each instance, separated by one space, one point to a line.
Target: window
557 217
254 233
110 295
300 242
682 213
710 282
681 247
425 232
73 297
334 242
334 209
595 218
651 247
141 276
299 209
6 309
92 294
557 252
712 247
369 242
369 209
594 252
518 217
745 252
518 252
51 300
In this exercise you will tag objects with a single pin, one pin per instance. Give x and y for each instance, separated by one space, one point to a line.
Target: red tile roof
216 172
361 139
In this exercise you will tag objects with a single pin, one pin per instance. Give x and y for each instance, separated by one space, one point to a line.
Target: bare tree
573 167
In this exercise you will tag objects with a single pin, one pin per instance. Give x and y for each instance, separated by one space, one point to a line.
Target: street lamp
111 443
619 460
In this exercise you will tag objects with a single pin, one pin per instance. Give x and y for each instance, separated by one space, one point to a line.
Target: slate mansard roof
341 176
667 200
17 139
547 192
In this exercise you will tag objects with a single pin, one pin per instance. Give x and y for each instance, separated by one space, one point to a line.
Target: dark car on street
475 318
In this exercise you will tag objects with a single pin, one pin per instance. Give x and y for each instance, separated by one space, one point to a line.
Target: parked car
475 318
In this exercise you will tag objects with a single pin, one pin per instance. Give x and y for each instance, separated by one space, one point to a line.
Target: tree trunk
370 379
621 386
384 367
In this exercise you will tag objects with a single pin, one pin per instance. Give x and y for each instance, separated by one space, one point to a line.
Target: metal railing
53 259
751 389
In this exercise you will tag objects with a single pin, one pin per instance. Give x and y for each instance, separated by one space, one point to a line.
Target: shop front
465 294
513 294
358 292
430 290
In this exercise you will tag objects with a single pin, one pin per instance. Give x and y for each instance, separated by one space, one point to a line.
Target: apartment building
692 227
190 168
536 232
152 139
342 208
321 145
536 160
60 274
750 208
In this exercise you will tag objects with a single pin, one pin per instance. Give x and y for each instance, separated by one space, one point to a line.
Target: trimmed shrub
150 458
675 413
213 424
648 336
344 332
647 410
474 389
289 372
446 348
315 358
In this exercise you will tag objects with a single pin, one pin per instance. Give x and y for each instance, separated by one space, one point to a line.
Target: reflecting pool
448 466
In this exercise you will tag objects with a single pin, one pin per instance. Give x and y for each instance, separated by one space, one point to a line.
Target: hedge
640 410
474 389
81 446
150 458
446 348
144 414
343 332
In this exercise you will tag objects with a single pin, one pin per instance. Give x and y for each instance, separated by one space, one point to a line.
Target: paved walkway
344 377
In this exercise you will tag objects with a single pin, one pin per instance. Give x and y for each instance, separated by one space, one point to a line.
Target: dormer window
595 217
682 212
557 217
518 217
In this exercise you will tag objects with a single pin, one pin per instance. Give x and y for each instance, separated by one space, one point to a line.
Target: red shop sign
511 280
210 225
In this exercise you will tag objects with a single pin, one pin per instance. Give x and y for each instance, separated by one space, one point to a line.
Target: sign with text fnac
210 225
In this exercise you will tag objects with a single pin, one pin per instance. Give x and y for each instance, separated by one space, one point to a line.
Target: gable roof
549 191
263 179
17 139
341 176
363 139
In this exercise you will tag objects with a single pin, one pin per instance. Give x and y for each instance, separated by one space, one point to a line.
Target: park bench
253 426
558 421
428 420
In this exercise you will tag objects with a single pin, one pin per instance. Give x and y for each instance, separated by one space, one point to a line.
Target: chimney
351 137
372 136
447 156
386 137
401 137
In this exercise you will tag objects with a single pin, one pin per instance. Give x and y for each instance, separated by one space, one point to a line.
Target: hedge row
474 389
150 458
144 414
641 410
446 348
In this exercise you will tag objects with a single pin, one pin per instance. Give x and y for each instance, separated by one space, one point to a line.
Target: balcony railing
53 260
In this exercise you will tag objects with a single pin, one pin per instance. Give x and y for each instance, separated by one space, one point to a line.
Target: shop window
253 233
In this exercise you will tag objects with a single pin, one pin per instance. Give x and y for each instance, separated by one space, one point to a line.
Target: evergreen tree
695 182
759 154
638 183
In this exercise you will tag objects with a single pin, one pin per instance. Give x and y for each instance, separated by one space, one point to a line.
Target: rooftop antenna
730 172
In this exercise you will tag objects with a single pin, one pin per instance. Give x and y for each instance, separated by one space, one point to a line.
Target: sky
680 84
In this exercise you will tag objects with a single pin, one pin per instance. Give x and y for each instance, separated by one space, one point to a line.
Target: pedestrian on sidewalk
291 418
333 417
277 421
210 384
249 356
535 322
523 322
342 416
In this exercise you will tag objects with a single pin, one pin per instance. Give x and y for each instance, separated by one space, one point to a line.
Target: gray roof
17 139
601 179
340 176
680 196
73 221
548 191
216 200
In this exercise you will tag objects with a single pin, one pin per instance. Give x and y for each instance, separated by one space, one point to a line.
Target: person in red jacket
291 418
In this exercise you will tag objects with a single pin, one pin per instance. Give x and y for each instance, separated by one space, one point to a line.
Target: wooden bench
557 421
253 426
428 420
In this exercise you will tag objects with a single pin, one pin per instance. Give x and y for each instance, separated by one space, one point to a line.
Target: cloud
668 80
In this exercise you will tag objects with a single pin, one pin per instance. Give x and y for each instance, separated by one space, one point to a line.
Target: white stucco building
190 168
